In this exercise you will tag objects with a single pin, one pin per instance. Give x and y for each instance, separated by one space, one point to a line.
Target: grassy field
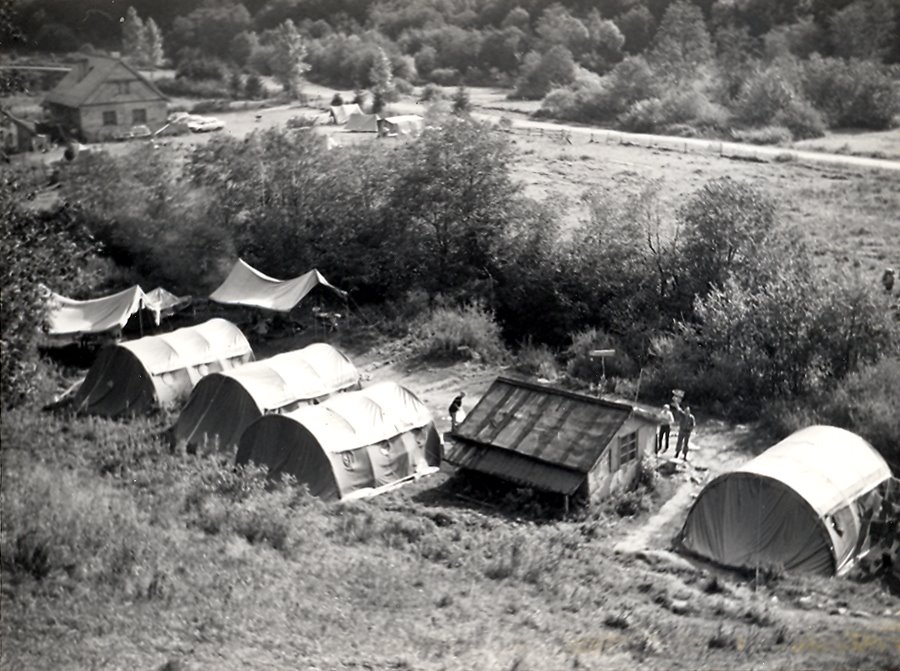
118 554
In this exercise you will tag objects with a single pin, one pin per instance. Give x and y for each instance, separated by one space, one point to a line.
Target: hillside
437 575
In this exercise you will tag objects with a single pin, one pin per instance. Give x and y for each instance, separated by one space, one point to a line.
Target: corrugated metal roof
550 425
514 467
82 86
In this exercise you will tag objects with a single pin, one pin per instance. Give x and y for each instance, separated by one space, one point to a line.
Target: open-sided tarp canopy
362 123
223 404
161 303
340 113
69 317
350 444
799 505
247 286
131 377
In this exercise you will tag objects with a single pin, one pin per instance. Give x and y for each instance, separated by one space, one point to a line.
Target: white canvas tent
406 124
223 404
247 286
800 505
340 113
131 377
67 317
351 445
161 303
362 123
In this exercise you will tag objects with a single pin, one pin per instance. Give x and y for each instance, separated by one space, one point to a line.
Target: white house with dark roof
102 98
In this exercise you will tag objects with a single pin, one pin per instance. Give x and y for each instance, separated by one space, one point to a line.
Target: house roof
522 423
82 86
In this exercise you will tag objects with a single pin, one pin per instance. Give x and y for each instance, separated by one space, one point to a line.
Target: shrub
583 366
469 332
537 361
802 119
431 93
54 522
445 76
764 135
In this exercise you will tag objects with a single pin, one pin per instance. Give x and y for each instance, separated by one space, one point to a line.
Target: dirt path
715 448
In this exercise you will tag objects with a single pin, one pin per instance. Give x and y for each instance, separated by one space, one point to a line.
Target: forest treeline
761 70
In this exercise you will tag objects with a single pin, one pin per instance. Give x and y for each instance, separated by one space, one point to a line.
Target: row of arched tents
301 413
806 504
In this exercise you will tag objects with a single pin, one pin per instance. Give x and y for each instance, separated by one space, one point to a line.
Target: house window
109 118
138 116
628 447
123 88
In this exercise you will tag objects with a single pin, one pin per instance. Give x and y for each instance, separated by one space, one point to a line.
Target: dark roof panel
513 467
550 425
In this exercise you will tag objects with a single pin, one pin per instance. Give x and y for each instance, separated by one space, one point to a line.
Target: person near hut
667 420
455 407
685 427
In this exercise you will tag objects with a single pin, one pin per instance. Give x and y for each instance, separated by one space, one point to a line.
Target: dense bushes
469 332
51 249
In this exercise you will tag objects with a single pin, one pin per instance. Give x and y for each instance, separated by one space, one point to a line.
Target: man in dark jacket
685 426
455 407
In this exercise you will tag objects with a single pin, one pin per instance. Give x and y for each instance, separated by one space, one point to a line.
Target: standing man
668 419
685 426
455 407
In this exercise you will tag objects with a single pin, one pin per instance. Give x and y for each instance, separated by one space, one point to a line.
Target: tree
382 78
253 87
540 73
134 37
606 42
49 248
288 62
864 29
243 45
452 201
682 45
636 25
153 43
461 102
557 27
725 225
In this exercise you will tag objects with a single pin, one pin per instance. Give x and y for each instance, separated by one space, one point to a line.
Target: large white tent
353 444
131 377
803 504
245 285
223 404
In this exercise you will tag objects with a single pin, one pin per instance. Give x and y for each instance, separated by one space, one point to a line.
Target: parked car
139 131
206 124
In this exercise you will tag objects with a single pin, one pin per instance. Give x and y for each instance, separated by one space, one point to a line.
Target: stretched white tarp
247 286
68 317
800 505
162 303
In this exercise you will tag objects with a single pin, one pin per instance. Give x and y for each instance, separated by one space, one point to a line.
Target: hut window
628 447
109 118
138 116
